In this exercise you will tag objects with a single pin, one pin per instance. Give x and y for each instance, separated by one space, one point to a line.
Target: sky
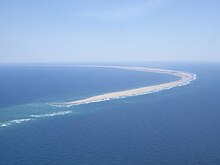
44 31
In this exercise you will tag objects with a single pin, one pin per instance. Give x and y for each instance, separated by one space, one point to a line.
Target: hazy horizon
67 31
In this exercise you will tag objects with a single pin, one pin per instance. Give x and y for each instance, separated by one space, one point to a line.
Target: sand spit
184 79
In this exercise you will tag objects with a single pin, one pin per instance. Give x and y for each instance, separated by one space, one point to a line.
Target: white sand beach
184 78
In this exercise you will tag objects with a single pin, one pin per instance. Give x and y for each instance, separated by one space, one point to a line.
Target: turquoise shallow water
29 91
176 126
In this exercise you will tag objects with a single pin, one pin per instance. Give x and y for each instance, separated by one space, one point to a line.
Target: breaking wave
15 121
51 114
33 117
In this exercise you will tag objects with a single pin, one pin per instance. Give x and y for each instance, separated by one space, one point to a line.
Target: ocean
176 126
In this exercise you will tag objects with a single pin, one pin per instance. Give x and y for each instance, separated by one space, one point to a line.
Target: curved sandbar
185 78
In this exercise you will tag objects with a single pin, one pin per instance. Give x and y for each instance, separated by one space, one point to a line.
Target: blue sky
109 30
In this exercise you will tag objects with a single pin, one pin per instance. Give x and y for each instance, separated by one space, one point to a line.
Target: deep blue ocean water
176 126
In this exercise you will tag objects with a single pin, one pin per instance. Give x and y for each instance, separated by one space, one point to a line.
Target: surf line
184 79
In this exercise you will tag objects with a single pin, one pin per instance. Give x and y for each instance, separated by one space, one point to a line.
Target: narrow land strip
184 78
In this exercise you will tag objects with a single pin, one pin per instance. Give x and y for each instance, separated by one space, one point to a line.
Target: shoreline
185 78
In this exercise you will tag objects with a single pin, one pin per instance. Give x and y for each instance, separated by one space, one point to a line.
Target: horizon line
109 61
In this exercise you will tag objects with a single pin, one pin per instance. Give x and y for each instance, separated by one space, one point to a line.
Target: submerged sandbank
184 78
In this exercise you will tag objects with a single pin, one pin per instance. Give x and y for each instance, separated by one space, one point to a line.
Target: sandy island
184 78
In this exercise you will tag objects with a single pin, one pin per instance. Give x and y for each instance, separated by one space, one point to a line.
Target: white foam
60 113
33 117
15 121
